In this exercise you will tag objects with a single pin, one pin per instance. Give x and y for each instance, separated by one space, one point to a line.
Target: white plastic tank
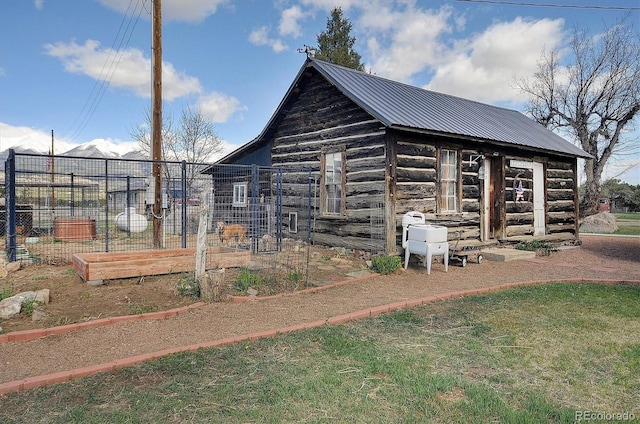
410 218
131 221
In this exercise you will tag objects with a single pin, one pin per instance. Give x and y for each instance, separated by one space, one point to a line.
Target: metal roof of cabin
403 106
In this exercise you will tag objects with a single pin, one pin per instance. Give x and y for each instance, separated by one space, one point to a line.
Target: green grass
628 216
136 308
527 355
5 293
628 224
386 264
628 230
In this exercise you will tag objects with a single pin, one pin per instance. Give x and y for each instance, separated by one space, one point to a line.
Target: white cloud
127 69
345 5
485 67
39 140
260 37
219 107
39 4
194 11
404 42
289 22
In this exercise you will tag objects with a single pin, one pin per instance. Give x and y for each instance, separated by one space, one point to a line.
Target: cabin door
491 203
485 217
539 218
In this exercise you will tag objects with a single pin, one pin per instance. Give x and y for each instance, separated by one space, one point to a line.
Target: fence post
183 188
10 205
255 198
128 206
72 200
279 209
106 205
309 206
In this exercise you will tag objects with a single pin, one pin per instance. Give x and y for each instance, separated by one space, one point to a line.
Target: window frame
240 198
338 208
449 182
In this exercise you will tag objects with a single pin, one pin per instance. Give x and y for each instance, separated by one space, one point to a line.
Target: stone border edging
75 374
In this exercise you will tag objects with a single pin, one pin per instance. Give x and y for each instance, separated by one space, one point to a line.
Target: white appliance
131 221
410 218
424 239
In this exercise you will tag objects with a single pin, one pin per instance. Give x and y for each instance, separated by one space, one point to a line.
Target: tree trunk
592 188
201 246
211 285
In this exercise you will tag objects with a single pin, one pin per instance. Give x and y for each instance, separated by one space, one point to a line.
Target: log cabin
490 174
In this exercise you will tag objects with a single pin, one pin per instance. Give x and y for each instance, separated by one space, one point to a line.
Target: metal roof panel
400 105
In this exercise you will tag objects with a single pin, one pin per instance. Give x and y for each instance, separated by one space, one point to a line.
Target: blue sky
82 67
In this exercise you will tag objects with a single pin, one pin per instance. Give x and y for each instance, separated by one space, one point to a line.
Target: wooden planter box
94 267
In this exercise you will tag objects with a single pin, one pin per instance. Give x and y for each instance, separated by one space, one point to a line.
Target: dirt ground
611 258
73 301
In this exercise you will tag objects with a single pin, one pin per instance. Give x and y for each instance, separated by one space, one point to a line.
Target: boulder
26 297
603 222
12 266
39 315
10 307
42 296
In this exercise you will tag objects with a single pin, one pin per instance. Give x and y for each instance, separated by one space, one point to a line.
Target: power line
563 6
108 69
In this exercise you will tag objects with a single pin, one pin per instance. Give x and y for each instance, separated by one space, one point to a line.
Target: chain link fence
58 206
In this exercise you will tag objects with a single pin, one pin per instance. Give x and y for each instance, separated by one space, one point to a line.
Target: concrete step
506 254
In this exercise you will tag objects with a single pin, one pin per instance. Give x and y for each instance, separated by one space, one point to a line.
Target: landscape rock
10 307
42 296
12 266
39 315
26 297
603 223
252 292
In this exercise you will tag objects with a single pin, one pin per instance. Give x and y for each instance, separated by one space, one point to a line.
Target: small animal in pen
228 232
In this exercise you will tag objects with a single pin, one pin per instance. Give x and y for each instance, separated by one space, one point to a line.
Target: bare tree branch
595 99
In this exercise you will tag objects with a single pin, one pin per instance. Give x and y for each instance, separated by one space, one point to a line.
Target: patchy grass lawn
524 355
628 224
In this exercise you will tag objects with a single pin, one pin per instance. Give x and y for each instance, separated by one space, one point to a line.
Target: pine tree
335 45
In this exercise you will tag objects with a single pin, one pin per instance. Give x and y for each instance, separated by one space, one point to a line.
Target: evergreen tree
335 45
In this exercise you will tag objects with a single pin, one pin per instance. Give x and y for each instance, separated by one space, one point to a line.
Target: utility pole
156 131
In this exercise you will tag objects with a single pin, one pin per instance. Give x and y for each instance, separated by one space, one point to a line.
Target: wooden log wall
321 118
560 205
417 186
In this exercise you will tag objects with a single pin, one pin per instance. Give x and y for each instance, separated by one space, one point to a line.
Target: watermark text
582 416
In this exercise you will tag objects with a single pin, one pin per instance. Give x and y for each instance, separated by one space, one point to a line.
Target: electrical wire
108 70
565 6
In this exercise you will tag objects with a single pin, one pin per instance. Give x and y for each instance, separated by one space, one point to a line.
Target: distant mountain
18 149
95 149
99 148
91 151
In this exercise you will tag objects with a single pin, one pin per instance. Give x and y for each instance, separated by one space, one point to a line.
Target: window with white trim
333 183
448 180
239 194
